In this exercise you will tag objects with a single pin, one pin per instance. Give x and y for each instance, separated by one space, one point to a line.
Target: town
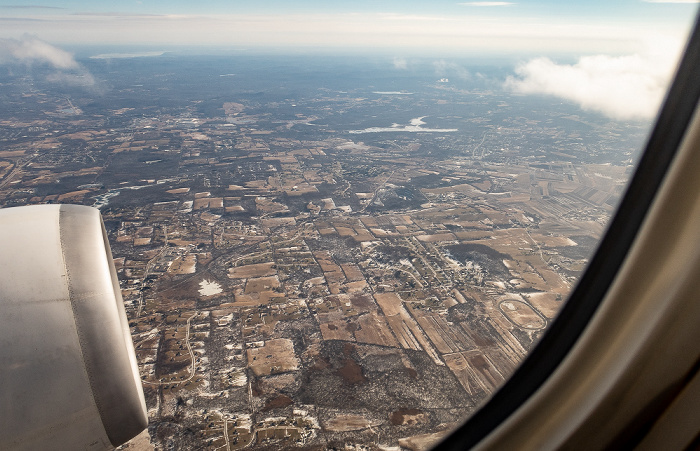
294 278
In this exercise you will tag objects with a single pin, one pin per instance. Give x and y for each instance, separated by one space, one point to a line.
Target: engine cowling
68 372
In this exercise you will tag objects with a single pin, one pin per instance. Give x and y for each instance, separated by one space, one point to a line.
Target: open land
297 271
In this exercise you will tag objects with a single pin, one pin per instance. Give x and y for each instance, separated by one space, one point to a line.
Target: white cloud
449 69
622 87
400 63
30 50
83 78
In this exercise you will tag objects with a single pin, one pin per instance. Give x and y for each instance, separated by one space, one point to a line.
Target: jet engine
68 372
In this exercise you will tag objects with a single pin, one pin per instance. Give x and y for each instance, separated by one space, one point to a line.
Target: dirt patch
407 416
522 314
255 270
278 402
260 284
352 272
351 372
348 349
320 363
350 422
275 356
362 302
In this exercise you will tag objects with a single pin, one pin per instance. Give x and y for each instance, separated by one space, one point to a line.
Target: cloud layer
467 29
623 87
449 69
400 63
30 51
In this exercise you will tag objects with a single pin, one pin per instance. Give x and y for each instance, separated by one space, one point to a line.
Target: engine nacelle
68 372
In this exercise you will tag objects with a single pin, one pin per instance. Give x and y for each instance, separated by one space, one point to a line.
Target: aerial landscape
316 252
335 225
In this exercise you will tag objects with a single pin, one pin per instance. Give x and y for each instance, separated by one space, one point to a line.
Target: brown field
326 262
275 356
474 371
244 300
278 222
405 328
446 339
353 287
373 329
11 153
260 284
142 241
345 231
423 441
546 303
178 191
403 230
73 195
365 236
390 303
348 422
523 197
381 232
208 202
335 277
339 320
301 189
407 417
338 329
277 402
437 237
184 265
366 220
521 314
255 270
351 372
144 231
264 205
552 241
208 217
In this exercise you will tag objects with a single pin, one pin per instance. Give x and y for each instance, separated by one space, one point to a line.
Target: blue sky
536 26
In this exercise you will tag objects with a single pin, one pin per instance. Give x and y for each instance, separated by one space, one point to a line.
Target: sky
612 57
548 26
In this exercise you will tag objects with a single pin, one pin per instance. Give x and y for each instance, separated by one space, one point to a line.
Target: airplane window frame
662 145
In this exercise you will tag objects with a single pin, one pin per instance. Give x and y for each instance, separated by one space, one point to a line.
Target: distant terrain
316 252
